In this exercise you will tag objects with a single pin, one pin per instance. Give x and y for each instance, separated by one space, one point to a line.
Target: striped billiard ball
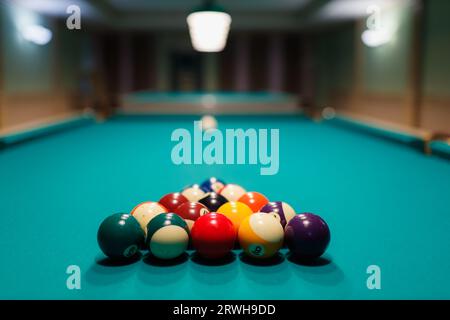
167 236
193 193
261 235
284 211
212 185
232 192
146 211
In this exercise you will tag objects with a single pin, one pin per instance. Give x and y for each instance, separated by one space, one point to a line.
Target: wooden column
357 88
2 85
414 90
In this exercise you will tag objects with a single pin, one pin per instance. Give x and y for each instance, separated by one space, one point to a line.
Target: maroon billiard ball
191 211
172 201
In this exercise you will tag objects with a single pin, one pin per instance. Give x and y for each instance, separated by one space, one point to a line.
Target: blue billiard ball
212 185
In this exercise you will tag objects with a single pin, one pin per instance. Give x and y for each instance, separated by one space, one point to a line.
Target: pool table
386 203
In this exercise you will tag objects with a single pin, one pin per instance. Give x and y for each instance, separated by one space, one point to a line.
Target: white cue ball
208 122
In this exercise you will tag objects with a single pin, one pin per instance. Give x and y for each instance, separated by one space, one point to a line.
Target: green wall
26 66
333 62
386 67
437 49
31 68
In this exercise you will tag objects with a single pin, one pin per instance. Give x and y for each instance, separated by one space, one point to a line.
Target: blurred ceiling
273 15
186 5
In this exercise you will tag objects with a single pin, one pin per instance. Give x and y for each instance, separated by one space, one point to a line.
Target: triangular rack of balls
213 218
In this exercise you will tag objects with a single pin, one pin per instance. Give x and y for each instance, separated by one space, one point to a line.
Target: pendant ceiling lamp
209 26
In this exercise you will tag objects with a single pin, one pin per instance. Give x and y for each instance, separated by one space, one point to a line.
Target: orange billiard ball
254 200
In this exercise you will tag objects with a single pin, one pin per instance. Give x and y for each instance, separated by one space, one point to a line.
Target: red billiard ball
172 201
213 236
254 200
191 211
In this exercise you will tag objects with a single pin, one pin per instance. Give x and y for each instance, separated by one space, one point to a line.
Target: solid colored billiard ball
120 236
171 201
261 235
307 236
236 212
213 235
193 193
212 185
213 201
232 192
191 211
254 200
282 209
167 236
146 211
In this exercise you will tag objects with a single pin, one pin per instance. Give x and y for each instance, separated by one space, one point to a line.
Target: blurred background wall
37 81
304 50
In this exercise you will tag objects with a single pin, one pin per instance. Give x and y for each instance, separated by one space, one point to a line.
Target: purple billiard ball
284 211
307 236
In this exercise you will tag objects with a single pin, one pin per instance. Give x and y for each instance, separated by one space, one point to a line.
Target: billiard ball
213 235
232 192
208 122
171 201
254 200
236 212
261 235
191 211
213 201
193 193
167 236
307 236
282 209
212 185
145 211
120 236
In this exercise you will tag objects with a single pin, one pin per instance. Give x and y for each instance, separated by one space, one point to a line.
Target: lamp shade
209 27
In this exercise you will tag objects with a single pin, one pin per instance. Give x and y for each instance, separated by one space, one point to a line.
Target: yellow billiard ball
236 212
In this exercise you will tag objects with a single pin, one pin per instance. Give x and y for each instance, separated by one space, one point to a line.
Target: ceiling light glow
375 38
37 34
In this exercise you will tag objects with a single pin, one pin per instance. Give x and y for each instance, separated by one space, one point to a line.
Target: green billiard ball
167 236
120 236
